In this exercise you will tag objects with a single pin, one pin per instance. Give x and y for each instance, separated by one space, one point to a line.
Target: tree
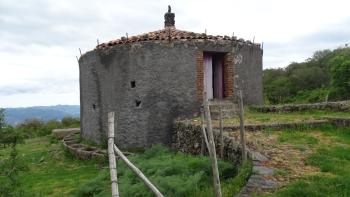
325 73
10 165
340 71
2 118
2 126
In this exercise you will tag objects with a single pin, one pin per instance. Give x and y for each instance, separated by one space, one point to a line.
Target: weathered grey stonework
61 133
187 138
248 73
148 80
332 106
82 151
150 83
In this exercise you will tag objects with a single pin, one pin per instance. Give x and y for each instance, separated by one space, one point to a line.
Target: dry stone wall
61 133
279 125
82 151
332 106
188 139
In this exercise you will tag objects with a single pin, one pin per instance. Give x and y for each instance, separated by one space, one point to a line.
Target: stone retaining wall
336 121
187 138
82 151
332 106
61 133
339 122
278 125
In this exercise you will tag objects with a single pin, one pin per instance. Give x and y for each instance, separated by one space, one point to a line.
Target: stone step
223 107
229 109
215 115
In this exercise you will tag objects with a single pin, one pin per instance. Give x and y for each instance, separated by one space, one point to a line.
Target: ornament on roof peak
169 18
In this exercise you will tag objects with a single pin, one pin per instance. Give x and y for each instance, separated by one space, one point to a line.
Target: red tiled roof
168 33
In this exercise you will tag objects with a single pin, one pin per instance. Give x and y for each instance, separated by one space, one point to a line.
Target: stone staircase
229 109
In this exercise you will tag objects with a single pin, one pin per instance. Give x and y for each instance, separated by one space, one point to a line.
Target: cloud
44 85
40 38
280 54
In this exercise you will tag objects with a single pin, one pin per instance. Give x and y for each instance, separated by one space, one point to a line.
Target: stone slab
61 133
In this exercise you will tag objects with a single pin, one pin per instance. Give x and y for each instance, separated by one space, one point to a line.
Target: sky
40 39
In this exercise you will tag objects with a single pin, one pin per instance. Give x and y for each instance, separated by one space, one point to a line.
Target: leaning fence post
204 133
221 132
138 172
241 126
111 156
214 162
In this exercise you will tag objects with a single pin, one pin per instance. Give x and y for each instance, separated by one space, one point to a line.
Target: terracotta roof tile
168 33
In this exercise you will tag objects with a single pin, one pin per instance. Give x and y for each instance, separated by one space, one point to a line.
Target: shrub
12 164
32 128
70 122
36 127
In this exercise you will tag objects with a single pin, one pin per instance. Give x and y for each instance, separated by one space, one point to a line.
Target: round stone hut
150 79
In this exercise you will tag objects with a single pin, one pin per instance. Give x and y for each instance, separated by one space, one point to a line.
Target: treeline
34 127
323 77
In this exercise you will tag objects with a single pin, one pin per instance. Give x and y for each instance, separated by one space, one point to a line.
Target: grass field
310 162
53 172
253 117
326 149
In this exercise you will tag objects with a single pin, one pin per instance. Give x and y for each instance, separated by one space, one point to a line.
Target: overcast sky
39 39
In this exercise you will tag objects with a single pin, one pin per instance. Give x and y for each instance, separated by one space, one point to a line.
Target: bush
32 128
11 164
69 122
2 118
95 187
36 127
311 96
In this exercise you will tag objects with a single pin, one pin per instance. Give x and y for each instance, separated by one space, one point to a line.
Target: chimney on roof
169 18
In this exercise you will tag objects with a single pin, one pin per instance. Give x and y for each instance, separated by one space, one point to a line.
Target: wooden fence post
111 156
214 162
221 132
241 126
204 133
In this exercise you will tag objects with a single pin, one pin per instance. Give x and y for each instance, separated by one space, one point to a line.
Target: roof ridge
170 33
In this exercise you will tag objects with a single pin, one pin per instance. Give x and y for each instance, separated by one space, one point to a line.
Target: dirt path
288 159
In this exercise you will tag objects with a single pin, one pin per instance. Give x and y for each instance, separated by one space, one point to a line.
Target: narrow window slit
133 84
138 103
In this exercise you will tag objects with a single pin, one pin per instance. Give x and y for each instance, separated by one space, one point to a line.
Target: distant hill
14 116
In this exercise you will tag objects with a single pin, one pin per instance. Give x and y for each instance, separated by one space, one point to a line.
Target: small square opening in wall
93 106
133 84
137 103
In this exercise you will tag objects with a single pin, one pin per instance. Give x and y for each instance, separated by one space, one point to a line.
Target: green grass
333 159
301 140
51 172
54 172
174 174
253 117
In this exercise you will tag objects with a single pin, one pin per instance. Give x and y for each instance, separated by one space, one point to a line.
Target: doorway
214 75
